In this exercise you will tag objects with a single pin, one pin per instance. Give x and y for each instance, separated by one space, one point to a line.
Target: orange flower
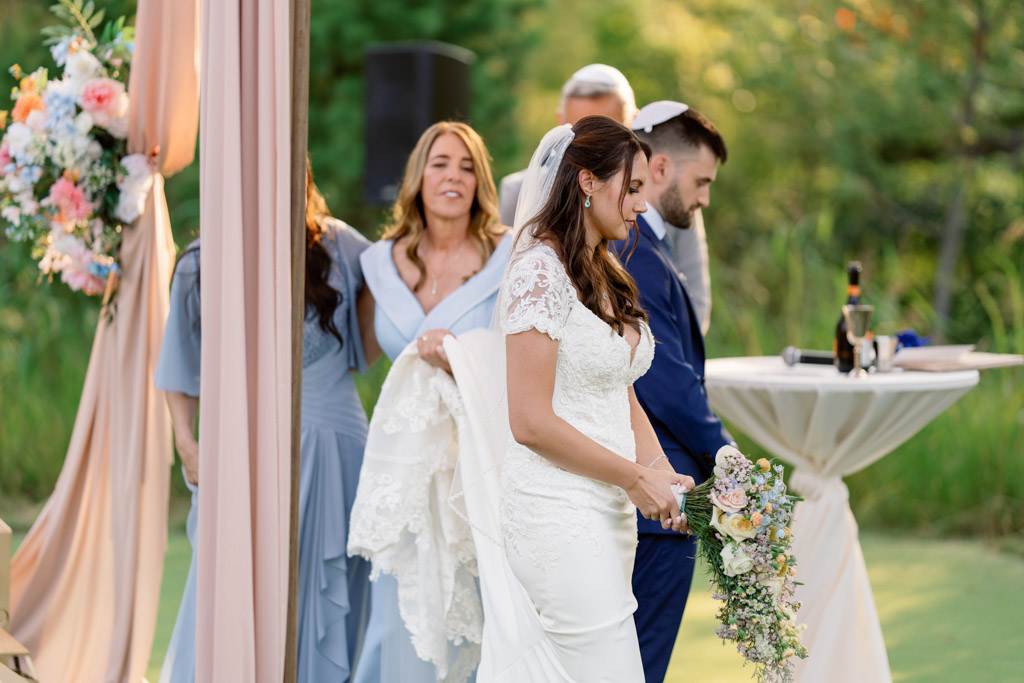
3 119
755 519
26 104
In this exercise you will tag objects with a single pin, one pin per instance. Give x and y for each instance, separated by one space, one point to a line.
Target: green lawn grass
950 611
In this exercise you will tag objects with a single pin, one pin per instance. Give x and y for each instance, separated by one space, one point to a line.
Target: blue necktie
669 248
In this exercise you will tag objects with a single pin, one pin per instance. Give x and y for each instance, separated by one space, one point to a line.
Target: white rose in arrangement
36 121
724 453
118 127
28 203
17 184
721 461
738 527
12 215
19 137
735 560
135 186
716 520
83 123
774 584
80 67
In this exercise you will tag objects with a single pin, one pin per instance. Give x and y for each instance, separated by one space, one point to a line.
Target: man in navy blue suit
687 150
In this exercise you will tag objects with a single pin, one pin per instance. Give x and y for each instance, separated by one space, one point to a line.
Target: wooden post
300 127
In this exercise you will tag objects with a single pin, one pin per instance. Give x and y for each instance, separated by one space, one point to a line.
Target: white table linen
828 426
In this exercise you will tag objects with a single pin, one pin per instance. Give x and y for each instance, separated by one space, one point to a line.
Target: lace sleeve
537 294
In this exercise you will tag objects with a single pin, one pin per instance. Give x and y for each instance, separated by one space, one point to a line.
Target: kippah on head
657 112
672 126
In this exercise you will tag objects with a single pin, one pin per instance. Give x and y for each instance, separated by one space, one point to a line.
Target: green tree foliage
890 131
340 34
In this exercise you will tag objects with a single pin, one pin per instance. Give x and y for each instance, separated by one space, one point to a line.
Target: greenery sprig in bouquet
741 517
68 186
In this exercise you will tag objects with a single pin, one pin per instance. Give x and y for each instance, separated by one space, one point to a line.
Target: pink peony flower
69 200
103 96
5 156
732 501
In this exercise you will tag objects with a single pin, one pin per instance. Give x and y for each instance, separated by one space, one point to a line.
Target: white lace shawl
401 520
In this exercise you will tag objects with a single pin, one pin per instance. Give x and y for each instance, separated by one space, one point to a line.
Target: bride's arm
648 449
531 361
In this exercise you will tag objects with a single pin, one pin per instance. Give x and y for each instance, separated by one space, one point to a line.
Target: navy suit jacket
672 392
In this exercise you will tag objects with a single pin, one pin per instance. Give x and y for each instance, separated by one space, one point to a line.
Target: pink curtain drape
85 582
245 405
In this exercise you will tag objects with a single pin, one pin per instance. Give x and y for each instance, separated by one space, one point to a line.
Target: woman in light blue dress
436 272
333 589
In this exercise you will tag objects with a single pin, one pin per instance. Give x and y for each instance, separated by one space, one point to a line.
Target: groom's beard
674 210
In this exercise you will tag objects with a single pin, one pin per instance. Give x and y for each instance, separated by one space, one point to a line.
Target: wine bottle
841 346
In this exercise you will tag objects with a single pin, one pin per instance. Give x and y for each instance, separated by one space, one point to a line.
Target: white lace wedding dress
570 540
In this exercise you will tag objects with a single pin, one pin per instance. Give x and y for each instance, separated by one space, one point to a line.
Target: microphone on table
792 355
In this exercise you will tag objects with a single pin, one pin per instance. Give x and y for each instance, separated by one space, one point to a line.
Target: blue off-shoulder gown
333 589
388 655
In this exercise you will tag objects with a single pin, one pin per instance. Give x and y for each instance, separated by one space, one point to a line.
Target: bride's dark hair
604 147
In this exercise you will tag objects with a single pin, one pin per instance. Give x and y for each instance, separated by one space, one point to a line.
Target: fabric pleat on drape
245 402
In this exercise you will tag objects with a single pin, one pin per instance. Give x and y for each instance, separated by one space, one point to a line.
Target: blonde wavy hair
408 217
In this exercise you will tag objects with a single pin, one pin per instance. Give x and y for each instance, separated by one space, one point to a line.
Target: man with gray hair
602 90
594 90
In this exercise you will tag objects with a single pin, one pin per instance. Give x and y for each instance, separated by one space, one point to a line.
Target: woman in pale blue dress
333 589
436 272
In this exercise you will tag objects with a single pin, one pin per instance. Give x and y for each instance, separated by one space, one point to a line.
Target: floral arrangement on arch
741 517
68 186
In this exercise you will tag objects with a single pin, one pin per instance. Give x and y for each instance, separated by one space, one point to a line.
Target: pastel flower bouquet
68 186
741 517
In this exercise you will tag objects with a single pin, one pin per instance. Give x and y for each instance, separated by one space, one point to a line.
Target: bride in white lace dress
583 456
524 467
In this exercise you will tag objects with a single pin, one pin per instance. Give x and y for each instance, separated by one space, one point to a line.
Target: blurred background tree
889 131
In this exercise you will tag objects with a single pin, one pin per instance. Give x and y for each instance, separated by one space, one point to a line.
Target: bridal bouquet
68 187
741 517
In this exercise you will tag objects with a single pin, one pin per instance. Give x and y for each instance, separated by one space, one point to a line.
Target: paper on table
971 360
930 354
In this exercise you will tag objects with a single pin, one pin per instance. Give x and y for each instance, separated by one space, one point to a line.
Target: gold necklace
433 289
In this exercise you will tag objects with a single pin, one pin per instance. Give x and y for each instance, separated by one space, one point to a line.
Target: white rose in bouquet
36 121
19 137
84 123
80 67
118 126
738 527
135 186
721 460
11 214
735 560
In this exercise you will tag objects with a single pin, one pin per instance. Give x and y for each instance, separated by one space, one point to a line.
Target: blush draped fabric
245 400
85 582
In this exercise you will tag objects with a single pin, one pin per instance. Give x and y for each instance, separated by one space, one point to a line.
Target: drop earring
587 203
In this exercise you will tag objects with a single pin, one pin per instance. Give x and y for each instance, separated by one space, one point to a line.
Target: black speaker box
409 87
